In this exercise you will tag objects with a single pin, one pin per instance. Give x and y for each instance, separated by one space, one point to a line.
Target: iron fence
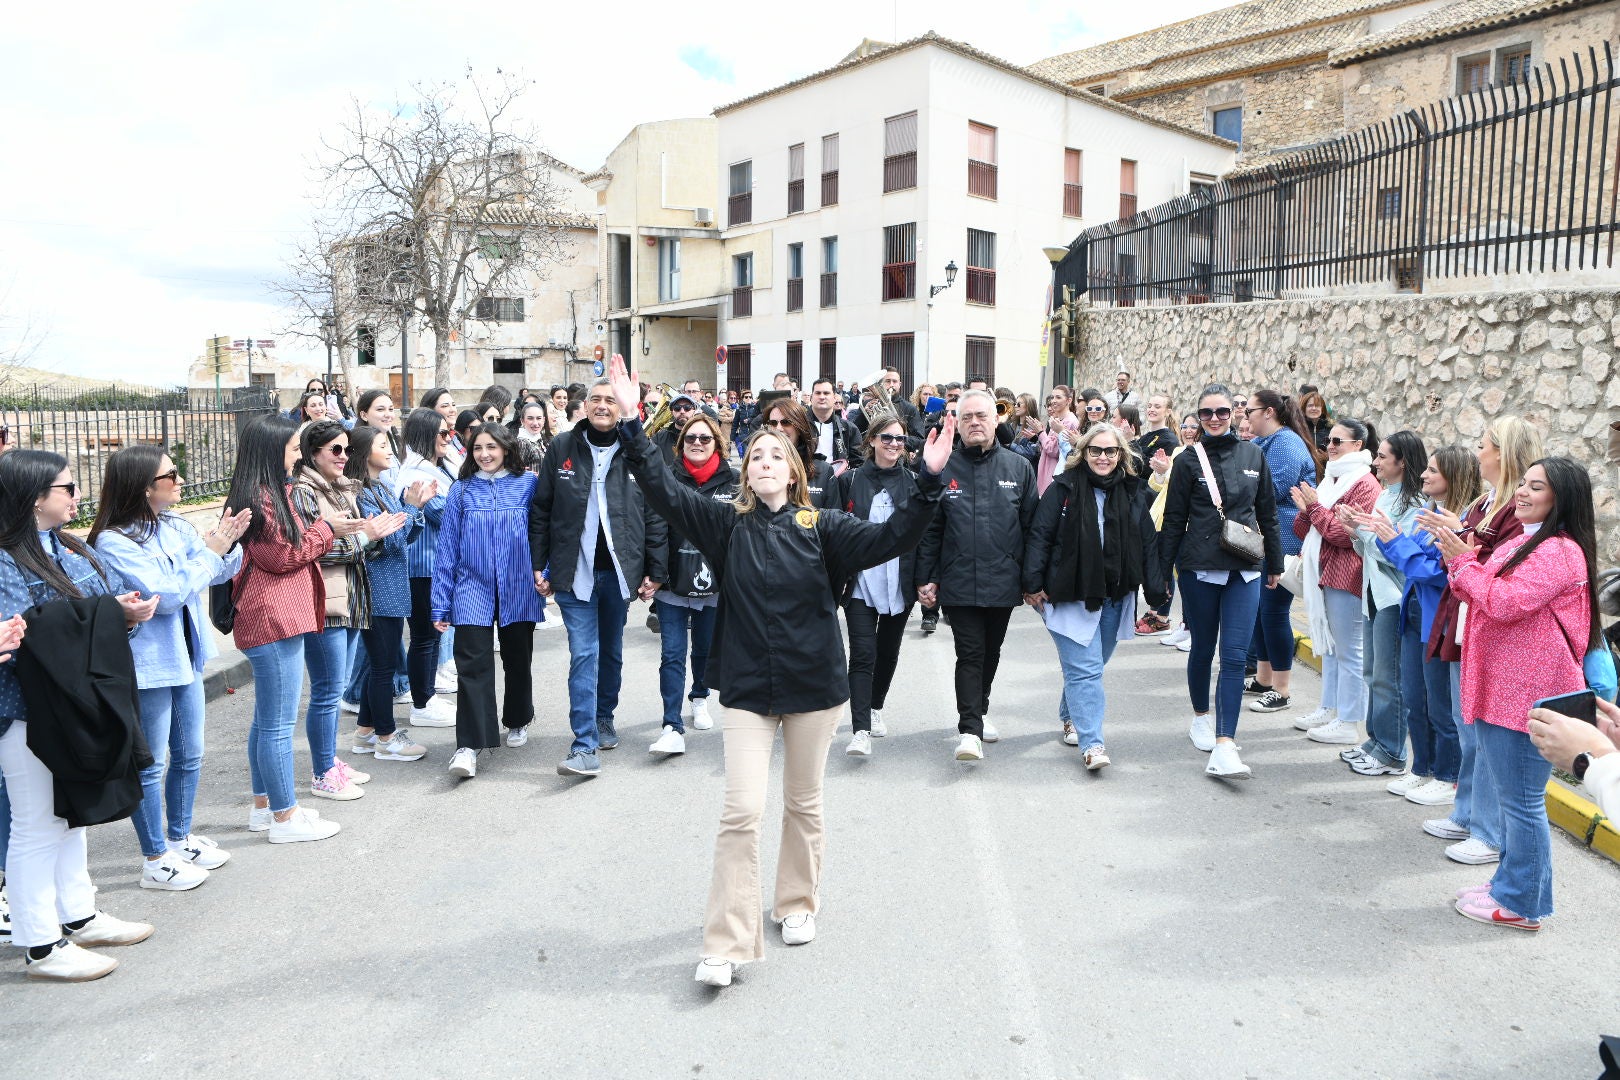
198 429
1510 179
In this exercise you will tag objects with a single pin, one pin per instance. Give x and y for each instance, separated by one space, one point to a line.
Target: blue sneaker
579 764
606 736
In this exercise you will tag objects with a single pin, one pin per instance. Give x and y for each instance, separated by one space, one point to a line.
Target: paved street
1018 918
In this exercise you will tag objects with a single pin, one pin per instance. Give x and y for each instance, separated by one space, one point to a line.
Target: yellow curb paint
1606 840
1306 654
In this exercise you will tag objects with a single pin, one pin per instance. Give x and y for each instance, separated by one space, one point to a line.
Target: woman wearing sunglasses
321 492
686 605
161 554
1159 480
427 460
1332 572
1220 588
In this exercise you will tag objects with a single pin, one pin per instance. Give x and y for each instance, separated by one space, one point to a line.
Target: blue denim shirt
424 542
20 591
483 562
1291 464
386 568
176 566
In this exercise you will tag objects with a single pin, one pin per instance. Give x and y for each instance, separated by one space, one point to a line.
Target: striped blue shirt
386 568
483 567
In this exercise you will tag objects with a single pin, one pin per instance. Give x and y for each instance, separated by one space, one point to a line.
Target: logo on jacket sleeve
565 471
806 519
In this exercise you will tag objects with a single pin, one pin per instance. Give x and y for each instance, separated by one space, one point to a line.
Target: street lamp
328 326
402 293
928 319
1055 255
950 279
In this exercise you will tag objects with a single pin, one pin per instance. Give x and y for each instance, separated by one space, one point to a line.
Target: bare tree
434 211
310 298
21 335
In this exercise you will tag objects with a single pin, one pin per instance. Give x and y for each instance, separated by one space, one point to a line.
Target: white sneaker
68 962
1433 793
1175 637
1473 852
260 818
1185 644
1445 829
402 698
464 762
1335 732
198 850
798 929
518 736
364 744
345 705
1409 782
701 720
441 686
447 671
879 728
969 748
435 713
670 742
713 972
1315 719
990 732
1071 737
860 744
303 826
171 873
1225 763
1202 732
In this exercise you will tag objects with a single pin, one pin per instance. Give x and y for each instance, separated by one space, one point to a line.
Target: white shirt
596 516
879 586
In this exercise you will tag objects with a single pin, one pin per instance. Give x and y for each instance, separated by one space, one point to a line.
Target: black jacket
1190 535
1051 558
557 515
1151 442
77 676
856 490
777 647
821 485
686 568
975 549
846 440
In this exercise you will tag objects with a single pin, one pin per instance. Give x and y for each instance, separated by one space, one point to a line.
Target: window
1071 183
1202 220
1389 203
829 170
900 152
796 179
795 362
1125 281
1513 64
829 354
619 270
900 261
795 281
829 271
497 248
740 204
1406 275
1227 123
900 353
742 285
1203 283
669 269
499 309
981 160
1243 290
981 359
739 368
1473 73
1101 90
981 267
365 345
1127 188
507 365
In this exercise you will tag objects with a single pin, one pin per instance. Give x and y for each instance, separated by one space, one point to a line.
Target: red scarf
702 473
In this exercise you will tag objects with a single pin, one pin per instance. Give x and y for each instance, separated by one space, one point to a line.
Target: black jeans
423 662
874 650
978 633
476 724
381 643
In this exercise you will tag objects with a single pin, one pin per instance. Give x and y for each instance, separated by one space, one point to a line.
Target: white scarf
1342 474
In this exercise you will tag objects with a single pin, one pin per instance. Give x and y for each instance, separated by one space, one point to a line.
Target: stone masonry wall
1444 366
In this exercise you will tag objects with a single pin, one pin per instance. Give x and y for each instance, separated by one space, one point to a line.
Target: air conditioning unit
703 216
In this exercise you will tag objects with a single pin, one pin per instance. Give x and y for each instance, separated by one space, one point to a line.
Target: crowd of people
393 560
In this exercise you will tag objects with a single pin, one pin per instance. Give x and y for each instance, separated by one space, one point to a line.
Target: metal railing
1515 178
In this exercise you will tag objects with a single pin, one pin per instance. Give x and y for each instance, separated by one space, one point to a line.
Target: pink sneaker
1474 890
334 785
351 774
1481 908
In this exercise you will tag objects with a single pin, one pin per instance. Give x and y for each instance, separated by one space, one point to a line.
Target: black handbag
222 603
689 572
1236 538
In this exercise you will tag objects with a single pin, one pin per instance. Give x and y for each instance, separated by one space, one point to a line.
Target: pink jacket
1520 628
1046 466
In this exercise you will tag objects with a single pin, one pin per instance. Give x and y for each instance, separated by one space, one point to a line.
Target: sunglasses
683 407
1334 440
173 476
697 439
338 450
1222 413
1102 451
444 433
70 487
778 424
1096 408
889 439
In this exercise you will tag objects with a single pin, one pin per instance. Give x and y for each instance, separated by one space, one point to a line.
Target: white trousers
47 866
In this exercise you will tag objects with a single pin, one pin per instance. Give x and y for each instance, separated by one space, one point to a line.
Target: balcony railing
900 172
981 286
829 289
795 297
1127 205
795 196
900 281
742 301
740 209
829 188
1071 200
981 179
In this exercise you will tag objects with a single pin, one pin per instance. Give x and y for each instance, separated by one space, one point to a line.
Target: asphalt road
1014 918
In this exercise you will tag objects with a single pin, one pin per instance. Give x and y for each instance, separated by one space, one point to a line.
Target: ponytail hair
1292 417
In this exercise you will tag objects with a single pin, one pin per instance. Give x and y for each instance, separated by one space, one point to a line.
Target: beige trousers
733 929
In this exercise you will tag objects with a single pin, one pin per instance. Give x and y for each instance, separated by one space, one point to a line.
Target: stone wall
1444 366
1293 106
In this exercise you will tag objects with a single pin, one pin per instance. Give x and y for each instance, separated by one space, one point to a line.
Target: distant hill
13 379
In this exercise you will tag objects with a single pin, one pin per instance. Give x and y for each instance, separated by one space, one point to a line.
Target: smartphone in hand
1581 705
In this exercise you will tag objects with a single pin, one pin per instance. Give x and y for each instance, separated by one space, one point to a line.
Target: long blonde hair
798 484
1518 443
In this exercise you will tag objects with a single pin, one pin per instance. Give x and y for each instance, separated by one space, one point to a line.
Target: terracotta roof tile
1452 20
1314 42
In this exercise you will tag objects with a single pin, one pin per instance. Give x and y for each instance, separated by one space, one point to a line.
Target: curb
1565 809
225 673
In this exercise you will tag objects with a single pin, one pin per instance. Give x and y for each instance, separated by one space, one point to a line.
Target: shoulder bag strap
1209 478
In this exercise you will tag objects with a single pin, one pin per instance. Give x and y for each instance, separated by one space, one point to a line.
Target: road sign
720 352
597 369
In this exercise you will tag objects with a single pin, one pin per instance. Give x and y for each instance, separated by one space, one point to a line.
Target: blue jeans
1274 629
1519 774
326 656
1224 615
595 657
1344 687
1083 701
1381 668
278 679
1426 689
1478 807
5 824
172 721
674 624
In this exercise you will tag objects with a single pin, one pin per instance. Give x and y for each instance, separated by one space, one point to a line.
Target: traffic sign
720 352
597 369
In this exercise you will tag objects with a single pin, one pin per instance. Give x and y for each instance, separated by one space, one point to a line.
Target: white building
845 195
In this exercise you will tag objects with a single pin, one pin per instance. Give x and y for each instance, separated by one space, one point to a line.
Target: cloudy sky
159 157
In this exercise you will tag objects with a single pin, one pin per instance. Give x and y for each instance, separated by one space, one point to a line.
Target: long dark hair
513 461
465 419
430 398
496 395
26 477
422 434
123 506
358 464
261 473
317 435
1572 515
1289 415
804 437
1408 448
368 399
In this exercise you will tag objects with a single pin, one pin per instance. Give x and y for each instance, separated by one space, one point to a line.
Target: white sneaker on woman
714 972
435 713
68 962
171 873
701 721
1317 718
1202 732
1176 636
260 818
198 850
303 826
1225 763
1336 733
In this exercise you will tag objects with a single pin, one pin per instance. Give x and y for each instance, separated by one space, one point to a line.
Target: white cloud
159 158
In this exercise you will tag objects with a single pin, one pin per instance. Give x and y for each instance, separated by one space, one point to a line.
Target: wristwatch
1582 762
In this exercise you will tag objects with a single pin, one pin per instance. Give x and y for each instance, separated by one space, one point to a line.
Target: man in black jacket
594 545
971 559
836 438
916 427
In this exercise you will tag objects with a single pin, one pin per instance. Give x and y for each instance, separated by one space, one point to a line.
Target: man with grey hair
971 559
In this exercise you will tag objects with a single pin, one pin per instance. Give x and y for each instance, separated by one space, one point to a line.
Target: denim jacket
386 569
176 566
20 591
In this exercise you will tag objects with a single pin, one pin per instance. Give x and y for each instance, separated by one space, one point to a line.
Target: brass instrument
880 403
1004 408
662 415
